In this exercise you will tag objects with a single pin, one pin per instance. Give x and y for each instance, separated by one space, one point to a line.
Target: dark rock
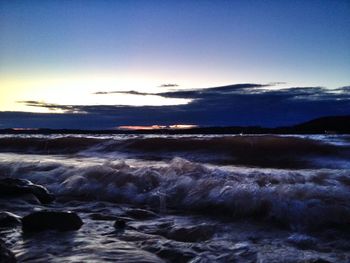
8 219
302 241
141 214
191 234
12 187
51 220
120 223
6 256
175 255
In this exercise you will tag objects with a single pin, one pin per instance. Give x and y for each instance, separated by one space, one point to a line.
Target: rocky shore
42 214
43 220
56 226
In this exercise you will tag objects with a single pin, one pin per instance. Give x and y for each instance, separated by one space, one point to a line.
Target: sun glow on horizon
157 127
85 88
79 90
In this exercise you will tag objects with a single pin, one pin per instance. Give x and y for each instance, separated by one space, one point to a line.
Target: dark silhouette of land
324 125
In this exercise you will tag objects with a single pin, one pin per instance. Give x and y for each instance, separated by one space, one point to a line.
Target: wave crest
309 200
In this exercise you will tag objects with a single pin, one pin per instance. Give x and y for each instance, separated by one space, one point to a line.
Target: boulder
12 187
51 220
6 255
8 219
119 223
175 255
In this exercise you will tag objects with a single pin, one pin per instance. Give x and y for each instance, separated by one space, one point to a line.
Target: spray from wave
307 200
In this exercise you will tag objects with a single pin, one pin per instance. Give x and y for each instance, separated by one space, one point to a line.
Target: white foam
303 198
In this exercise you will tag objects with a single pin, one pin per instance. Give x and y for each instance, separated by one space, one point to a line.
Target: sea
184 198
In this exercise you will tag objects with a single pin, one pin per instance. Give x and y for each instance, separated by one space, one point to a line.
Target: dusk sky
104 64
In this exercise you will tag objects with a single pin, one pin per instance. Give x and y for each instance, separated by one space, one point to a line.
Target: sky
103 64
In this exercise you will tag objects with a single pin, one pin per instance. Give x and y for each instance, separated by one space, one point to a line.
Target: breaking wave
300 200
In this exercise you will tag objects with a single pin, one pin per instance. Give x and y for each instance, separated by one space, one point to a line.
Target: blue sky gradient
195 44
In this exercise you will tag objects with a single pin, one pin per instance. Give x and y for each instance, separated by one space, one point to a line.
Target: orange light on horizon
25 129
157 127
151 127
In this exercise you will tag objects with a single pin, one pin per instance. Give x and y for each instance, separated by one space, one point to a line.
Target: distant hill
333 124
324 125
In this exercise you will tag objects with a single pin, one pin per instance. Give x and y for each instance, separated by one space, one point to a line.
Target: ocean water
213 198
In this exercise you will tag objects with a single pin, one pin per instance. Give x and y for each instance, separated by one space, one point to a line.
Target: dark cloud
214 91
240 104
277 83
169 85
132 92
345 89
55 120
51 106
195 93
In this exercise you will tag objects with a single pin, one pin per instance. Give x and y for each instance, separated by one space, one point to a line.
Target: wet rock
191 234
12 187
120 223
302 241
51 220
141 214
175 255
6 255
8 219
